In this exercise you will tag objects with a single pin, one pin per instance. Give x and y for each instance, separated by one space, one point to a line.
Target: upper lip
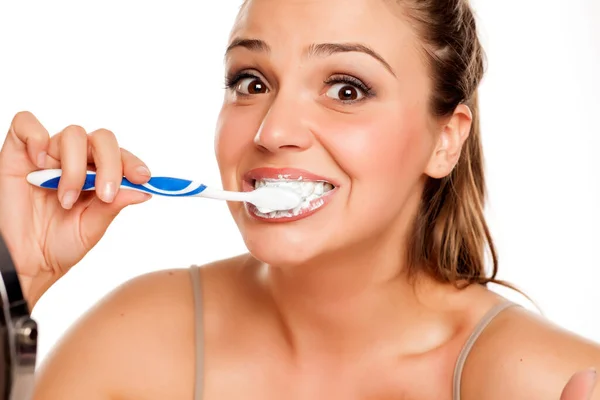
292 174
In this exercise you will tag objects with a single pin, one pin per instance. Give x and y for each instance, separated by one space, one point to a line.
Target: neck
347 302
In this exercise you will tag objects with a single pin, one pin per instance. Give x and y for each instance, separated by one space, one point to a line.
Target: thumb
98 215
580 386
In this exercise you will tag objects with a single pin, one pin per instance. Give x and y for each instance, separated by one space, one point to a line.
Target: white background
154 75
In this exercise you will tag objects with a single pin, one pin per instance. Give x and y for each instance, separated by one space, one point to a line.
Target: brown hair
451 237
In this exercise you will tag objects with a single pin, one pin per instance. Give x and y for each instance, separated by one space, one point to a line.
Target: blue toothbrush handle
160 185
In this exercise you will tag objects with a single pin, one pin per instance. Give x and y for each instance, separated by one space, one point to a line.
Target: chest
421 378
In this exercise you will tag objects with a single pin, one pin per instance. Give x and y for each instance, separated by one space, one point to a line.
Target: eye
348 89
247 84
251 86
345 92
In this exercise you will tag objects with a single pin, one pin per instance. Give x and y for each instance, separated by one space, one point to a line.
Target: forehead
297 24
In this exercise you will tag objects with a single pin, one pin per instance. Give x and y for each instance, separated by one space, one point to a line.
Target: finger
134 169
54 152
96 218
26 132
53 159
580 386
72 143
109 167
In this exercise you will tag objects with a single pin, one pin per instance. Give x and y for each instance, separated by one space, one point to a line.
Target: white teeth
303 188
319 188
310 191
307 188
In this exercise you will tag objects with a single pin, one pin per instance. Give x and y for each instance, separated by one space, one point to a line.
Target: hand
49 231
580 386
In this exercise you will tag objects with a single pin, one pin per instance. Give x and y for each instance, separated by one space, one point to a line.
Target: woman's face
325 94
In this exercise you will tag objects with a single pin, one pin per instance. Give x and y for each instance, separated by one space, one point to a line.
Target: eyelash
352 81
231 82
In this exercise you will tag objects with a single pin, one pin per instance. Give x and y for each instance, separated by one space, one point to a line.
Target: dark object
18 334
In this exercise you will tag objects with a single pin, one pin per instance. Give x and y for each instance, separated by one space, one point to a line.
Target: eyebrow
321 49
250 44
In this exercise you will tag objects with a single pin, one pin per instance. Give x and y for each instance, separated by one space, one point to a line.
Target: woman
375 289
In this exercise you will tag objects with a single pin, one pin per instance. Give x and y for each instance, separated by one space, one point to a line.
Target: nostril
269 149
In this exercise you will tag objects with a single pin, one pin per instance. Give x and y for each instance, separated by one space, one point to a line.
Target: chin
286 244
319 235
282 245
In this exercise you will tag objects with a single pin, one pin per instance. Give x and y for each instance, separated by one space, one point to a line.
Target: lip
291 174
326 198
279 173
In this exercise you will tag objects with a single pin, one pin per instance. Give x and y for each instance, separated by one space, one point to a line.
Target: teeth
310 191
319 188
303 188
307 188
306 205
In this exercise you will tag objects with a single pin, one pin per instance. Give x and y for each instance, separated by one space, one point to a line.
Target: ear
453 134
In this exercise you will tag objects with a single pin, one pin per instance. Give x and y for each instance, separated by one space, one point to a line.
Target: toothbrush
265 198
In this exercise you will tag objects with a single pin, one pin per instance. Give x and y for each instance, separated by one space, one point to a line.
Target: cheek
232 140
384 158
388 147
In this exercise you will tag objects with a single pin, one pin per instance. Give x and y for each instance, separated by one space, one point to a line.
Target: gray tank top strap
199 331
464 353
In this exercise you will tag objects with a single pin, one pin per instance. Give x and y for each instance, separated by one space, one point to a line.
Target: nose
283 128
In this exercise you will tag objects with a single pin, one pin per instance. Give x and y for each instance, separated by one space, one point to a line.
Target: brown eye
345 92
251 86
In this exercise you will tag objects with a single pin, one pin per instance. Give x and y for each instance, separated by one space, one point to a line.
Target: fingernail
144 198
41 159
143 171
593 377
108 194
69 199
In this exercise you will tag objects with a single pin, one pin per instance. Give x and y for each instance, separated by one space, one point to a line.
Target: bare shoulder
521 355
125 346
138 342
232 298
